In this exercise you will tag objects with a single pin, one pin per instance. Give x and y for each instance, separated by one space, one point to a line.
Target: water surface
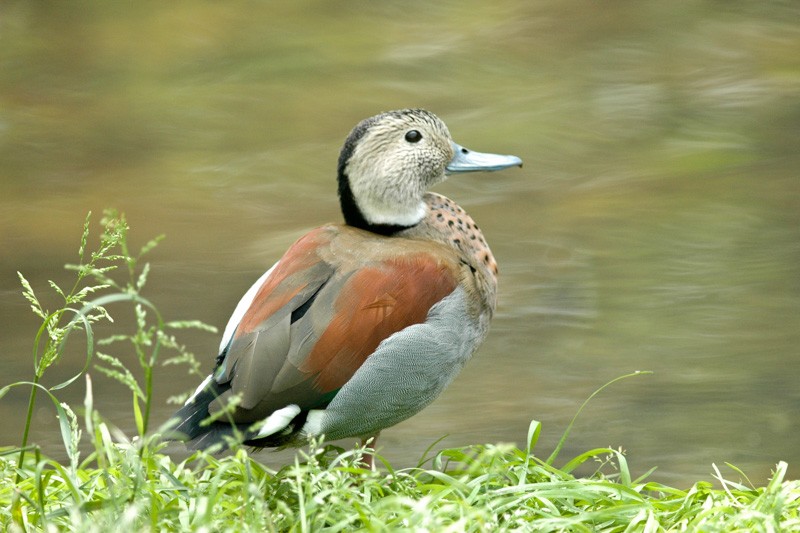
655 225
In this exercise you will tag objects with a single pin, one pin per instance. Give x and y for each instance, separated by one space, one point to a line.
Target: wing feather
317 317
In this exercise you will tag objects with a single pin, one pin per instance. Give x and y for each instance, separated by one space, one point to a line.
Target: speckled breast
446 222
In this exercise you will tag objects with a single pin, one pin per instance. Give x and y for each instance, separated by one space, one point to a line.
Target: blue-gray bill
466 160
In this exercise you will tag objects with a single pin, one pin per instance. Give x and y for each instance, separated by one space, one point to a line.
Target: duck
362 324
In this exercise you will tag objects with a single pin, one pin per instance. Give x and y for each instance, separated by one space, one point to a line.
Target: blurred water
655 225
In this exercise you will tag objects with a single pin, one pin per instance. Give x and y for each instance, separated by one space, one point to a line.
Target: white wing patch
278 421
313 425
241 309
198 390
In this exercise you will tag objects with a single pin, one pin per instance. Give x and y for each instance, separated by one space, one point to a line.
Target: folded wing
314 321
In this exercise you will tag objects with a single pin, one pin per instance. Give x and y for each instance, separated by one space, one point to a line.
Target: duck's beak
469 161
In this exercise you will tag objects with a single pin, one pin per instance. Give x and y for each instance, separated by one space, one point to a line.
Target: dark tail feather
188 426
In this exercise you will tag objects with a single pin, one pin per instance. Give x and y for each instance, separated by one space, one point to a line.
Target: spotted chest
448 223
452 222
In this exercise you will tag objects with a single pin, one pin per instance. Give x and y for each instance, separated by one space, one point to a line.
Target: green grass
479 488
130 484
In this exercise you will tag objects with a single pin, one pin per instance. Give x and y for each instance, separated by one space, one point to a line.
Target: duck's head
390 160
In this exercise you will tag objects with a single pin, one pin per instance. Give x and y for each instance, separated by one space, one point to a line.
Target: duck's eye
413 136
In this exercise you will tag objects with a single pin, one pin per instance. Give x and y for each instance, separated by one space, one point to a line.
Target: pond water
655 224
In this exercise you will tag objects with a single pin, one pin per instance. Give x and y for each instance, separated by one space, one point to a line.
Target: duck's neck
383 224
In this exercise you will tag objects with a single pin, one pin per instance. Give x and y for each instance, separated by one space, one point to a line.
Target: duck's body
359 326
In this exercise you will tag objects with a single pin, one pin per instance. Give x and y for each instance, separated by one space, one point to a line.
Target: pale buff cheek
433 166
389 176
401 180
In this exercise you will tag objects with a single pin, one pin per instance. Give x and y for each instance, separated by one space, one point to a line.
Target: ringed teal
363 324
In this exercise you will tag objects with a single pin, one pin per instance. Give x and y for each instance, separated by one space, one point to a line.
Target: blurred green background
655 225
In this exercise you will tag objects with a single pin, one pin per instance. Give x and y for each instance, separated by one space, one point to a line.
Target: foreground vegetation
131 484
481 488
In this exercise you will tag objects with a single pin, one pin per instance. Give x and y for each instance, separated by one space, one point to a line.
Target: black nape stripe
354 217
352 214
